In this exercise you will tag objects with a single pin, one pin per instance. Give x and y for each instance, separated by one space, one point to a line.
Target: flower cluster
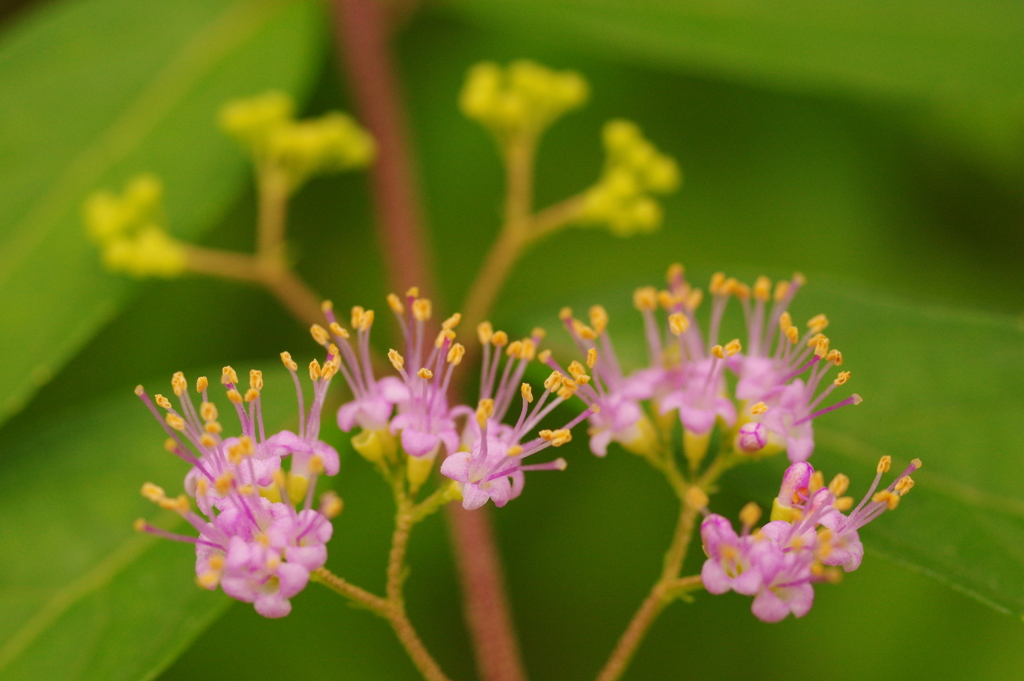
777 377
633 171
482 455
522 99
808 539
130 230
265 125
259 536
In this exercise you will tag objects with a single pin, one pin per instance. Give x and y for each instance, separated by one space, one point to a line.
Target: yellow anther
817 482
247 490
718 351
560 437
565 393
170 445
256 379
179 504
499 339
235 454
484 411
717 284
153 492
331 504
821 347
333 351
339 330
252 394
538 333
455 354
425 373
544 356
526 390
140 525
357 316
750 514
583 380
515 350
916 463
207 440
645 298
228 375
759 408
565 313
216 562
326 306
792 334
316 465
696 497
179 384
289 363
583 330
330 368
443 336
739 289
367 321
813 340
224 482
843 377
785 321
576 370
843 503
904 484
781 291
452 321
396 359
884 464
568 383
888 498
694 299
175 421
733 347
212 427
666 300
202 383
678 323
413 292
422 309
395 303
314 370
514 450
839 485
598 319
591 357
835 357
484 332
162 401
817 323
762 289
319 334
554 381
674 273
529 349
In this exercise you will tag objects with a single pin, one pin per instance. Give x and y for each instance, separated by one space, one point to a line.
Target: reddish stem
362 42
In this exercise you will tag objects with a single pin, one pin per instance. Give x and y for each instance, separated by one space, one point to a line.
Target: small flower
491 462
617 396
807 539
252 541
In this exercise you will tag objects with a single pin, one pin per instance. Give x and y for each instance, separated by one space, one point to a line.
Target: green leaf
86 109
961 59
86 597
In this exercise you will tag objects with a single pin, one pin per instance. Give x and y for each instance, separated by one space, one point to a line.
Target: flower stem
270 272
662 593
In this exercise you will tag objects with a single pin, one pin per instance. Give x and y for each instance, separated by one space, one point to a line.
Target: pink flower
729 566
258 548
490 464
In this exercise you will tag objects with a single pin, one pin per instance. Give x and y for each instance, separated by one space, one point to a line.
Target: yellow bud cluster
128 228
265 125
634 170
523 98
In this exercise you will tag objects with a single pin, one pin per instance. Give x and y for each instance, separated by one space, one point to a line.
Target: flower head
253 539
807 539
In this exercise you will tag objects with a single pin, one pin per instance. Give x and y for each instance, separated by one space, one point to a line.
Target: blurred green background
877 147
